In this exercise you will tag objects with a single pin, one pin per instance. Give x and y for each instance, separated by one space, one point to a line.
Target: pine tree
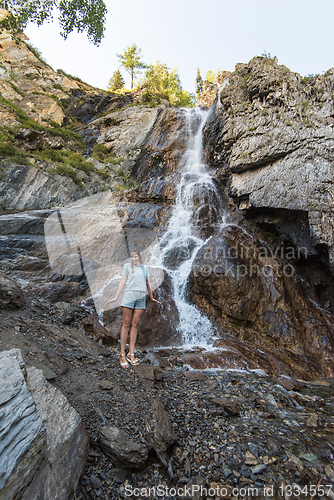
116 82
198 85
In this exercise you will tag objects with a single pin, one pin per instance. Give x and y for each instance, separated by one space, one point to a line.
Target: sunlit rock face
268 144
38 88
276 130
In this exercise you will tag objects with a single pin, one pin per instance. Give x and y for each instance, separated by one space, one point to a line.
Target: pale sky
195 34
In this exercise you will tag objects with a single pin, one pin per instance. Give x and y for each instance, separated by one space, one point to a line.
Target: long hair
135 250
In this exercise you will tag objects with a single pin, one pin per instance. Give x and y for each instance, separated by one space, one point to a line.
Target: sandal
124 364
131 358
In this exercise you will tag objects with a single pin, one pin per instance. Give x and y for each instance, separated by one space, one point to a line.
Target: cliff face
271 135
269 144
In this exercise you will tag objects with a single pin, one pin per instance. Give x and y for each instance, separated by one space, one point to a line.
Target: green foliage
58 87
308 79
131 61
266 54
161 83
210 77
102 153
37 53
80 15
17 90
13 154
198 85
55 129
305 106
69 172
76 78
69 158
8 72
116 82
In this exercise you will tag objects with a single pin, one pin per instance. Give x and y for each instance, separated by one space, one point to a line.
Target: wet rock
121 448
163 149
234 276
158 327
11 295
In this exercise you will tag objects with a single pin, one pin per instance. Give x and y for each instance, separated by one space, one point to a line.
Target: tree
210 77
116 82
198 85
80 15
130 60
161 83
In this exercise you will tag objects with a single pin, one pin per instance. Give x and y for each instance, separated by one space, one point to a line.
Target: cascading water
197 215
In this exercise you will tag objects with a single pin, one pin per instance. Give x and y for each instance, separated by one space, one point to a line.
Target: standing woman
136 277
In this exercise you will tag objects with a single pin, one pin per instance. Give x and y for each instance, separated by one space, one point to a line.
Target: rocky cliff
271 134
268 132
263 276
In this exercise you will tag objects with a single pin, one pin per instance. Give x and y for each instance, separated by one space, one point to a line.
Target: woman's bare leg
137 313
127 316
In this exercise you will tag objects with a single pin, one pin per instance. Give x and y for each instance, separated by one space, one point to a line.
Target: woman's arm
119 289
149 288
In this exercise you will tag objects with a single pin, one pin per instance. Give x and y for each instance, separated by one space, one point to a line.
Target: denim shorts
134 304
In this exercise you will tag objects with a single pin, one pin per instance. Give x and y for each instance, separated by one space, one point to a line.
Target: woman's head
135 258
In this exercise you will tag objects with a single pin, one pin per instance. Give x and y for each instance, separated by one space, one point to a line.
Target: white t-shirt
136 280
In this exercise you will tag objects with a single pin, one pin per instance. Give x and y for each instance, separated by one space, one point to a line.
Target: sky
195 34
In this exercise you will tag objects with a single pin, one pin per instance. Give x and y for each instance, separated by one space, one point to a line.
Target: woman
136 277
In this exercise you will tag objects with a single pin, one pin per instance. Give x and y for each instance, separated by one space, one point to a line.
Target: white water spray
196 216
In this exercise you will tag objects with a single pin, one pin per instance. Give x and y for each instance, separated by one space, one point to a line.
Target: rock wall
37 87
22 186
276 130
45 444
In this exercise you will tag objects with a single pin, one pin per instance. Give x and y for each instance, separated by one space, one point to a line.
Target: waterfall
197 215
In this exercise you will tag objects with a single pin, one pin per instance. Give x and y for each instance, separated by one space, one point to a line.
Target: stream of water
197 215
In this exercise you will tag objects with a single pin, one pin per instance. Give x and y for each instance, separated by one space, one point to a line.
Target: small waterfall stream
197 215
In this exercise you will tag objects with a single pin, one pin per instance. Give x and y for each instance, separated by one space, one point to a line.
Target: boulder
67 442
45 442
11 295
121 448
22 432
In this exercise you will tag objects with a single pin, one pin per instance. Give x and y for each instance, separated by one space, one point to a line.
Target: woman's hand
112 300
154 300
